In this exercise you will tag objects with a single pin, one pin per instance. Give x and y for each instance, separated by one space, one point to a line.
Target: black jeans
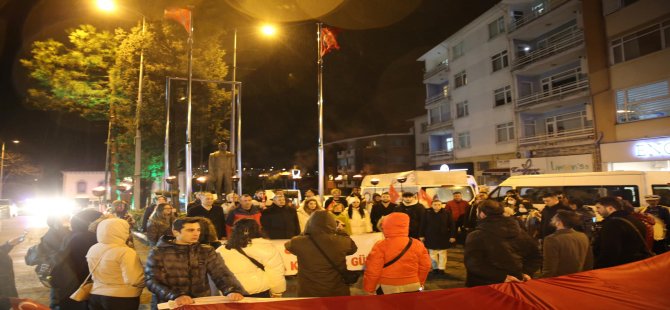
98 302
263 294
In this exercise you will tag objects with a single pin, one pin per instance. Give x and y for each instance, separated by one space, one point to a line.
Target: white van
440 183
589 186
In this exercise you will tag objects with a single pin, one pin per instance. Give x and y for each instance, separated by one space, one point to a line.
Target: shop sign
659 148
558 164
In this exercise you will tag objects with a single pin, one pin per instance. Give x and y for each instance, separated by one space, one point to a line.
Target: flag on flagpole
328 41
393 193
180 15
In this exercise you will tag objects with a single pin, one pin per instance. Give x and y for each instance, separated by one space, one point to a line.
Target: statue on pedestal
221 169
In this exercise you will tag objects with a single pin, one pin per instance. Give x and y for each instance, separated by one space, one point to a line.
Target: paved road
29 286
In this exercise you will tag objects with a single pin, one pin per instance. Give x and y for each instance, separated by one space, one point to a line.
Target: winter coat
215 214
173 270
253 279
566 251
280 222
303 216
330 202
146 215
359 225
157 229
457 209
438 228
119 273
412 267
239 213
547 213
7 280
416 213
344 219
316 276
497 248
378 210
617 243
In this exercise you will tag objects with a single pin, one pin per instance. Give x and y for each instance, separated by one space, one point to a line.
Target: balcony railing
443 154
436 98
559 137
557 93
430 73
562 42
551 5
441 124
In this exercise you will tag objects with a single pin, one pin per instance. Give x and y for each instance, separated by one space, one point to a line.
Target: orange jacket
412 267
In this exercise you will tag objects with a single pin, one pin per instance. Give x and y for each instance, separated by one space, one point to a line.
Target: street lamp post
2 165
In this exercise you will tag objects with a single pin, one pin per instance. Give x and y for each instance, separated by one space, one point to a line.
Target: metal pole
189 172
233 111
166 147
320 103
239 138
137 188
2 169
108 152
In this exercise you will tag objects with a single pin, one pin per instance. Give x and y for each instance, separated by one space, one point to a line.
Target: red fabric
423 196
180 15
639 285
394 194
26 304
457 208
328 41
256 217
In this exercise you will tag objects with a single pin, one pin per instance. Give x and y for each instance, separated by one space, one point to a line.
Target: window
505 132
445 91
499 61
460 79
457 50
434 115
81 187
464 140
462 109
445 112
640 43
449 143
497 27
643 102
502 96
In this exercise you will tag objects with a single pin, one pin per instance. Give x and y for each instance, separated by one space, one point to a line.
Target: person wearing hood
398 263
177 267
116 269
316 276
499 250
308 207
72 269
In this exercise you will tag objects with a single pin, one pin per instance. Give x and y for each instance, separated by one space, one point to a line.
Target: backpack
43 268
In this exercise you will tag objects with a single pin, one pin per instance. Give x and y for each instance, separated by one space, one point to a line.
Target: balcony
449 123
442 66
441 155
535 14
437 75
560 137
559 43
555 94
437 98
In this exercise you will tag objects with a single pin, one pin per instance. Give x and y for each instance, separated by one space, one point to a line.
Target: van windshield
446 193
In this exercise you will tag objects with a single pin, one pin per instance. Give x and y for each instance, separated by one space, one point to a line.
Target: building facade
384 153
421 145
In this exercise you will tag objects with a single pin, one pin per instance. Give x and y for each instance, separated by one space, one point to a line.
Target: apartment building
632 104
421 146
469 86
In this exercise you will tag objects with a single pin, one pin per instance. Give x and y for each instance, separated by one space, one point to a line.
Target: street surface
29 286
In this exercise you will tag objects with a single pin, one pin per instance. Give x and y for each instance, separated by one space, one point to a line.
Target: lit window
643 102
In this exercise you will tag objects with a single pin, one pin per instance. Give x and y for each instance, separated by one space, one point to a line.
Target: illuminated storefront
642 155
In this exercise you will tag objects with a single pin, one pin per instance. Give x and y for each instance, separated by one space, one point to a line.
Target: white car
8 209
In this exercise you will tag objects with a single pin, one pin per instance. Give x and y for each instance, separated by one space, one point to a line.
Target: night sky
373 84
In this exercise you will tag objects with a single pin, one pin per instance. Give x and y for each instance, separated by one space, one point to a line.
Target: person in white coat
256 263
118 276
306 210
359 218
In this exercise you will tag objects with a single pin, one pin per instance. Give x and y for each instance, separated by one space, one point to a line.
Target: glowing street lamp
106 5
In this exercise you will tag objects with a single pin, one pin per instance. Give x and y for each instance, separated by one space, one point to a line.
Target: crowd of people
224 247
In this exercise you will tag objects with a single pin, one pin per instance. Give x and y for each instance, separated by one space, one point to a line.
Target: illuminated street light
106 5
268 30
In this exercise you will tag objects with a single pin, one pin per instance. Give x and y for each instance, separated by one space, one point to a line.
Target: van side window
589 194
663 191
534 194
499 192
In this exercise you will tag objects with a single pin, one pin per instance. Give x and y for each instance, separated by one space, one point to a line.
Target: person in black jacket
499 250
7 280
439 231
177 268
621 238
382 208
150 210
278 221
72 268
552 204
416 212
213 212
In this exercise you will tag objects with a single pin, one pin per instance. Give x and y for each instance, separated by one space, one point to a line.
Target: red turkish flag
180 15
328 40
394 194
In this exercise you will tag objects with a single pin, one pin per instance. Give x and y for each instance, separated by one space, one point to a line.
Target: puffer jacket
316 276
173 270
412 267
253 279
359 225
497 248
119 273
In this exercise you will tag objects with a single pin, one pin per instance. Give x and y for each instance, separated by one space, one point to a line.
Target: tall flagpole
189 172
319 63
137 175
